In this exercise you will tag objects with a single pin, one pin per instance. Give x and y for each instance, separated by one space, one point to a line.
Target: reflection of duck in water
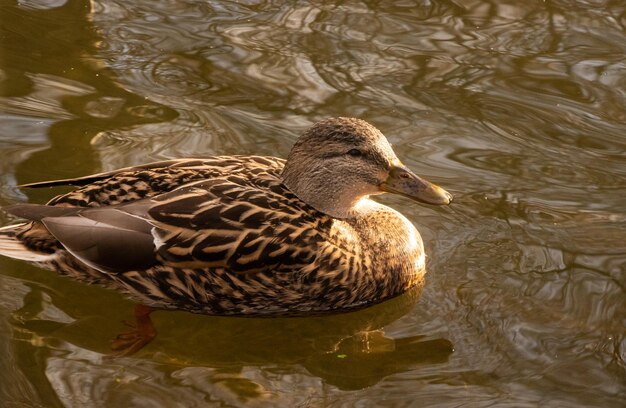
348 350
239 235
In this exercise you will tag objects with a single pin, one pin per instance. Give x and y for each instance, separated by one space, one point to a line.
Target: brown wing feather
103 245
238 224
107 238
135 183
242 219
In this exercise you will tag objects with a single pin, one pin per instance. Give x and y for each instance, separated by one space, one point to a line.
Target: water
517 108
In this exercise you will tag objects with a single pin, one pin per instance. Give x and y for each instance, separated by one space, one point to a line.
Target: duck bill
404 182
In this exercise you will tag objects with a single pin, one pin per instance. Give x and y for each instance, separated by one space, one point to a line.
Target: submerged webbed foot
142 333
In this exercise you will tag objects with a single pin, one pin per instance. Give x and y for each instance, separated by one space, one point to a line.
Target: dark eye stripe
373 158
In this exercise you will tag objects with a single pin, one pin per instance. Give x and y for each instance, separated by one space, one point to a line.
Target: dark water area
517 108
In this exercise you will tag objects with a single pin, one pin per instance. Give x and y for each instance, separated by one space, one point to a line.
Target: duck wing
149 180
233 223
238 224
108 239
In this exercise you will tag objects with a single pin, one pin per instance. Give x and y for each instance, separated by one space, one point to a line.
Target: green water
517 108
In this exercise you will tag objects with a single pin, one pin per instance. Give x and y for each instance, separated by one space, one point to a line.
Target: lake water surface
516 107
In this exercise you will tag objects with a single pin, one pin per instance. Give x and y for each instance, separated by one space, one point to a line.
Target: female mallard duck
239 235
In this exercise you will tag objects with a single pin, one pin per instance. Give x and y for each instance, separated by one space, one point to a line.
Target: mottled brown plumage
239 235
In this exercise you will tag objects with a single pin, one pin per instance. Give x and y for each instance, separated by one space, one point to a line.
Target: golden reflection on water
517 108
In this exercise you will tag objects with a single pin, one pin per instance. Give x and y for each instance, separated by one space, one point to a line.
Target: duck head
340 161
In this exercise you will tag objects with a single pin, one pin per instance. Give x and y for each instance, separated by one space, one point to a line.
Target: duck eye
355 152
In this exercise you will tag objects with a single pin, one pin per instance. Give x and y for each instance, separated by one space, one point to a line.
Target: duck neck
321 190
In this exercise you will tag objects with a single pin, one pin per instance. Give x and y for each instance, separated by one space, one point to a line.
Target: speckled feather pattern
231 239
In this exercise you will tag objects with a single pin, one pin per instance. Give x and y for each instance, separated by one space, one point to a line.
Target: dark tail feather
35 212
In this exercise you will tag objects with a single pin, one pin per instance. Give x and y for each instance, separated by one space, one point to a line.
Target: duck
239 235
